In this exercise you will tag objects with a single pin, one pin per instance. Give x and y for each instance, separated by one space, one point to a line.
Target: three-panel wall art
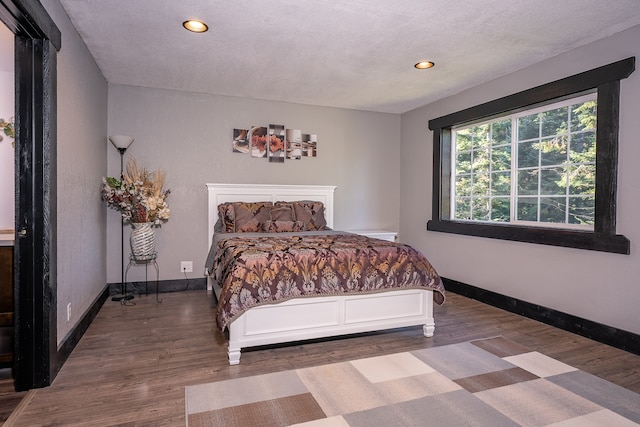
275 142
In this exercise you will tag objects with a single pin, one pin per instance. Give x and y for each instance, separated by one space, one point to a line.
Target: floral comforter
261 269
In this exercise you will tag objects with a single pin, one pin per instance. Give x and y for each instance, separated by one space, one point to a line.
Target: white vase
143 241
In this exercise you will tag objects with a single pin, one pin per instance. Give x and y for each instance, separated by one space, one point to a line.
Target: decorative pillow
282 213
311 214
286 205
283 226
251 217
226 218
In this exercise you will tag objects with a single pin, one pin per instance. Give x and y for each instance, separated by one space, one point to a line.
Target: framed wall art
274 142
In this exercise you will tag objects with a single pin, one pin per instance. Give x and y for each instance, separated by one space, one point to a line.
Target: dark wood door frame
37 39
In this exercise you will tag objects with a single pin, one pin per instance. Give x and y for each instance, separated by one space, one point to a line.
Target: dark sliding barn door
36 41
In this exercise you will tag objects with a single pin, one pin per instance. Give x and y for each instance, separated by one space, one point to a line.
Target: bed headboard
223 193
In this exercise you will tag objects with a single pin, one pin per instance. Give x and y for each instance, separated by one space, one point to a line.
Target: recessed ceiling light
423 65
195 26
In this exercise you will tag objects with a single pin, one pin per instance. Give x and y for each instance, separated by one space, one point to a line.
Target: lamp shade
121 141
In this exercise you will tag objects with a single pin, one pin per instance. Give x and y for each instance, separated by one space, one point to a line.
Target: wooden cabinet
6 306
6 283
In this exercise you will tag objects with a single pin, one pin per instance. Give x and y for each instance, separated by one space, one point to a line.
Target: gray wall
82 152
594 285
189 136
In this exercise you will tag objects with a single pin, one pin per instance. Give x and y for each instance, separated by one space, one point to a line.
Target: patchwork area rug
490 382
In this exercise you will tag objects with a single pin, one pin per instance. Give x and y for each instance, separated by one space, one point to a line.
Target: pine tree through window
537 166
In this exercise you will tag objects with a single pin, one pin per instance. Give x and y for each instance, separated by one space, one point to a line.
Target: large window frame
606 81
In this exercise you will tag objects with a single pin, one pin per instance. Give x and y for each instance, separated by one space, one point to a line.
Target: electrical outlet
68 312
186 266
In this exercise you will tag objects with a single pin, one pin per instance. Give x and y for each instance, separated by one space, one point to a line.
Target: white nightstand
378 234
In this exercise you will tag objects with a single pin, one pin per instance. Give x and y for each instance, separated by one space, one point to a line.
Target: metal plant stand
151 259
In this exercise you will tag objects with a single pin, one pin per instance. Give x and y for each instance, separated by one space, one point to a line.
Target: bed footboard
318 317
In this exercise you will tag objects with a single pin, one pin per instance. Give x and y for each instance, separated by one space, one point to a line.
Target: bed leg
234 356
428 330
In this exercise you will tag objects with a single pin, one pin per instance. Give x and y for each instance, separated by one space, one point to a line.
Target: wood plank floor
131 366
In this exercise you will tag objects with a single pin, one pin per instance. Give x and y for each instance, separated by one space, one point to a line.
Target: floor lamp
122 142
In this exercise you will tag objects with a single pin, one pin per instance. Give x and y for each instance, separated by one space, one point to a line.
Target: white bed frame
315 317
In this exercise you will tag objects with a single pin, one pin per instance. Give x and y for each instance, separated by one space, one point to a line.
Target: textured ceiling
343 53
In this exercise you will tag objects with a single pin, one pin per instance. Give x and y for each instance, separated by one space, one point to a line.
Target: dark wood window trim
606 80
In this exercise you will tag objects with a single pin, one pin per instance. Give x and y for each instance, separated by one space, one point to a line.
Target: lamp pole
122 143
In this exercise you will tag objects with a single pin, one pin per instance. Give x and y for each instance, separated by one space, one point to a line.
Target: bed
262 318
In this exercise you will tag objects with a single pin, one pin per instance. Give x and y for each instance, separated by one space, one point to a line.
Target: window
534 167
538 166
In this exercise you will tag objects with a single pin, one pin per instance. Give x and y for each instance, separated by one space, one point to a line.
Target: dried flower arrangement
139 196
8 127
